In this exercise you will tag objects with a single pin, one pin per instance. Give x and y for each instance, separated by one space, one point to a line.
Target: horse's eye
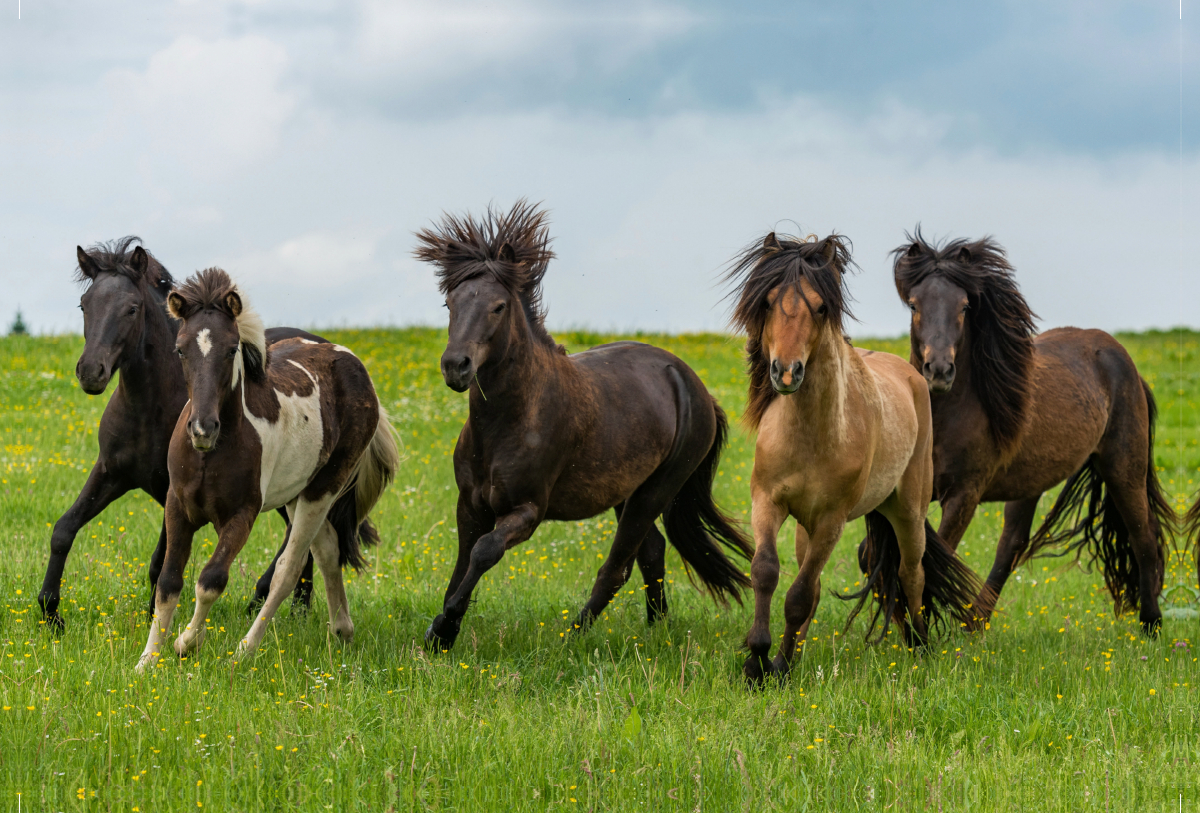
498 309
966 306
912 306
179 350
822 310
232 352
132 310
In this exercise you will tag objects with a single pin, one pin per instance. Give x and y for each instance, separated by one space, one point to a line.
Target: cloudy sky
299 144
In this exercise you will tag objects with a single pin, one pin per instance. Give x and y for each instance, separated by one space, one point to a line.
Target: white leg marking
307 520
204 342
191 638
325 551
160 625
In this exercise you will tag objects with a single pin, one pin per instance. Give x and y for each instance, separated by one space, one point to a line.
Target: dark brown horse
551 436
296 425
1191 533
126 329
1015 415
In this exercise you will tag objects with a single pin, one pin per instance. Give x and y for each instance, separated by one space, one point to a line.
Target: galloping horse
126 328
842 433
296 425
551 436
1014 415
1191 527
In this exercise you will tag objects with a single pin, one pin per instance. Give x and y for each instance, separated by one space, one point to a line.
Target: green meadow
1058 706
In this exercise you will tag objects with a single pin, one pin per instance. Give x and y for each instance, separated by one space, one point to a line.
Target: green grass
1058 707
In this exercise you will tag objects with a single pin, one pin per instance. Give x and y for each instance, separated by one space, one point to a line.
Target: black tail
1085 519
950 586
352 535
1191 525
695 525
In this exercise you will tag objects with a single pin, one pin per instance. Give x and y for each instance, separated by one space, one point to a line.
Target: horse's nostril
464 365
927 368
776 370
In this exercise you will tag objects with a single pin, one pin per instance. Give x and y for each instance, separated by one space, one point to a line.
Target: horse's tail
695 525
951 587
1189 529
349 515
1085 518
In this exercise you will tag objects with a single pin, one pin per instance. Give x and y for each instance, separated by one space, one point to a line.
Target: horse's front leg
957 512
231 538
511 529
99 490
812 552
766 518
180 531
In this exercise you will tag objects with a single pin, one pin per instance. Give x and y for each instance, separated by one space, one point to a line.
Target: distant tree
18 326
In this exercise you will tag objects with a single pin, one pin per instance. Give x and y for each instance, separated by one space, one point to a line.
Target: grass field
1059 706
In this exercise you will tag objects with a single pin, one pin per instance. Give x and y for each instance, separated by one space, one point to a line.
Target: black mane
463 248
772 262
113 257
1002 324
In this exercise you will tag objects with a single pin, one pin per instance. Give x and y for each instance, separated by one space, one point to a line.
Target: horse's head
220 342
114 307
791 298
481 313
939 326
490 271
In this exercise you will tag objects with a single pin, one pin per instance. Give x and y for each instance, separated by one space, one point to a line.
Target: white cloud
209 103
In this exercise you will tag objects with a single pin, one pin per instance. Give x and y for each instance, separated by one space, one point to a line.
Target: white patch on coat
341 349
291 446
204 342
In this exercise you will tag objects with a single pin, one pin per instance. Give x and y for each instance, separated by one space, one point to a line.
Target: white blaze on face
203 342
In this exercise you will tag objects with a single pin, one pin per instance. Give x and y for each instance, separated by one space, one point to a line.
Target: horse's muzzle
458 371
204 438
93 377
939 376
786 380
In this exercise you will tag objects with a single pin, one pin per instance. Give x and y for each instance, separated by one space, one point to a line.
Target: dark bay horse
1191 533
550 436
1016 414
842 434
297 424
126 329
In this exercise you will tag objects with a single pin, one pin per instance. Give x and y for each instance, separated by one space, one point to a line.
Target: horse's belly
291 447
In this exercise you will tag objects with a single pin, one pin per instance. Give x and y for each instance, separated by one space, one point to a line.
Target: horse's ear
915 249
233 302
139 261
87 266
507 255
771 242
829 249
175 304
964 255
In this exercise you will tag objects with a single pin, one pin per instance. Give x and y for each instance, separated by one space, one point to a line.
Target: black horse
624 426
126 328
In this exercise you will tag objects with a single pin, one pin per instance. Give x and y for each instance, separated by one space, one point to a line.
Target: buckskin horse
549 436
842 433
297 424
126 329
1016 414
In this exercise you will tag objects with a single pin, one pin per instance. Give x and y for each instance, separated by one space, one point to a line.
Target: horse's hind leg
651 561
1014 540
302 596
637 519
308 517
1124 476
910 537
325 551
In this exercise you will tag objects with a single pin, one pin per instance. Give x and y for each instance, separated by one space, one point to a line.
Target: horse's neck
506 390
820 403
151 371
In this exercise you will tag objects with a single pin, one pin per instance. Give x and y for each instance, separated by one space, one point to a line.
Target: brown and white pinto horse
300 428
842 433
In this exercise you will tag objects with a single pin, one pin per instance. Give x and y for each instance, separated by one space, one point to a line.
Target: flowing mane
113 257
513 248
768 264
213 289
1001 323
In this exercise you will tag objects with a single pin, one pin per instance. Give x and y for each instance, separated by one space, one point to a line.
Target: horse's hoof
441 634
756 669
780 668
1151 626
54 621
255 605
